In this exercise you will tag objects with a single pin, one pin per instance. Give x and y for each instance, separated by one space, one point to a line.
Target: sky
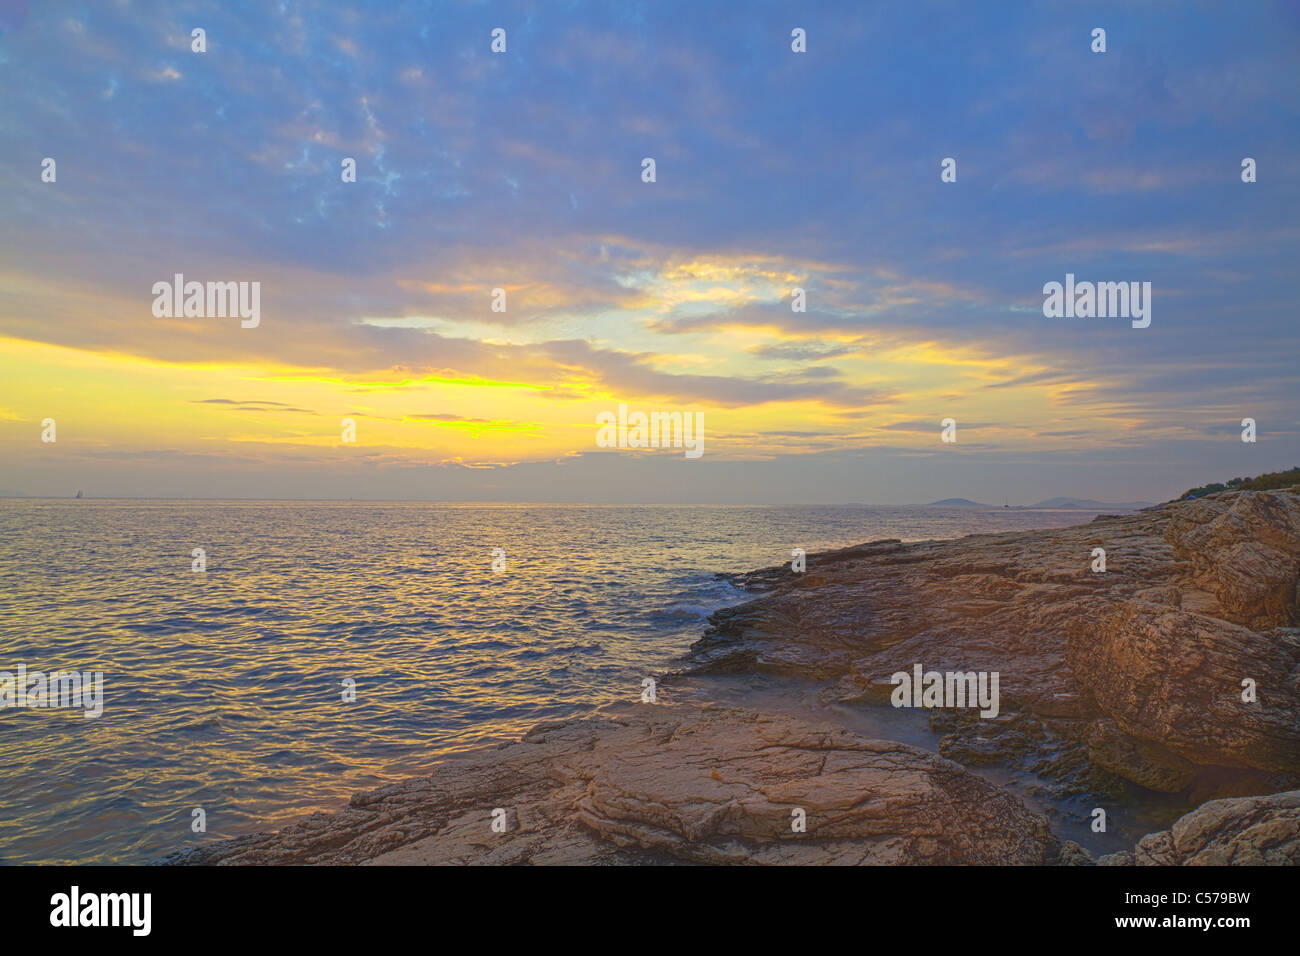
522 170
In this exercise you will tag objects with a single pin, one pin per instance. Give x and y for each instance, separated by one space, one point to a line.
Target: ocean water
224 689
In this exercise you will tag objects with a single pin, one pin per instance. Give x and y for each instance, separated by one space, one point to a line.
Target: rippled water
223 690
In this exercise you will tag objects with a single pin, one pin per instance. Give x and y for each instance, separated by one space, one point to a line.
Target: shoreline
1113 684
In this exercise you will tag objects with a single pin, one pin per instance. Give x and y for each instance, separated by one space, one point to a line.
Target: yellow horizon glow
109 399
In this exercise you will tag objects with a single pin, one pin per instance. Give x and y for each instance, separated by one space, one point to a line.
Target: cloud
775 172
253 406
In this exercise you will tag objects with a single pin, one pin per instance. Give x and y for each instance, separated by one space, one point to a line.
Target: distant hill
1083 504
1091 505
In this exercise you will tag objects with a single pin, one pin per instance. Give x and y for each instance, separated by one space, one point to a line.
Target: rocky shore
1175 671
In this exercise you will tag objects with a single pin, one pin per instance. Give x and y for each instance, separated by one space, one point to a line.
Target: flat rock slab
728 790
659 783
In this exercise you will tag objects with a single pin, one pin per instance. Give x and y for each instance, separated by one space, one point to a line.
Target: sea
329 647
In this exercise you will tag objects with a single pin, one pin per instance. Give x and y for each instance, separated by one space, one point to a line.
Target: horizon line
630 504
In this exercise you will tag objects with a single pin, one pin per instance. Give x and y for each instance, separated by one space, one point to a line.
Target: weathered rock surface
1135 672
1175 678
664 783
1242 831
1142 761
1245 550
1245 831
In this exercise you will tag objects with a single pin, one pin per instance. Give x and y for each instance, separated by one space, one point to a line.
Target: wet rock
1074 855
1121 858
1143 761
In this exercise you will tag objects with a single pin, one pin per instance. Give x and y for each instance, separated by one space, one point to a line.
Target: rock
1121 858
1074 855
866 801
973 741
1142 761
1155 849
1197 596
1062 705
1174 678
455 802
662 782
1245 549
1244 831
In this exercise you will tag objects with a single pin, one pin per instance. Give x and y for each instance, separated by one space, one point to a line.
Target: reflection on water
223 690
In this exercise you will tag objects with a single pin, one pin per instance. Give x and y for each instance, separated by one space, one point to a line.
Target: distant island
1083 504
1270 481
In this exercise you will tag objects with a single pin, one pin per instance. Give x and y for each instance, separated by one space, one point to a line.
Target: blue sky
522 170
